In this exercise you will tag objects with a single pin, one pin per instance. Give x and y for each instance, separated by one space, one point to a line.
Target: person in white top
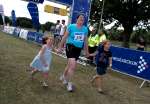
57 33
63 28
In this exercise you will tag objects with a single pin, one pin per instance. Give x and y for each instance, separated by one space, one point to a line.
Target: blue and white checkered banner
131 62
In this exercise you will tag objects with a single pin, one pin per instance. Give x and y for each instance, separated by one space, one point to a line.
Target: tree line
24 22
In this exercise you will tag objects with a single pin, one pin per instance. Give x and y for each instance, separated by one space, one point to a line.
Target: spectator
92 44
63 28
141 44
57 33
102 37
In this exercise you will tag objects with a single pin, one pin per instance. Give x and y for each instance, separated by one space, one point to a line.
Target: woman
76 39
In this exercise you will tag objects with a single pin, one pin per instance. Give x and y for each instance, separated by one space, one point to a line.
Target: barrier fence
126 61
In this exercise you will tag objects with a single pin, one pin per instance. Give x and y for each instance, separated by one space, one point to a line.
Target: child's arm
94 54
41 55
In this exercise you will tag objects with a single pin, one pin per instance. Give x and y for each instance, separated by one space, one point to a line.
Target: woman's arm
86 46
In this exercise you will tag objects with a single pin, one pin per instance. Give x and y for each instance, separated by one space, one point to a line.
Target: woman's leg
70 69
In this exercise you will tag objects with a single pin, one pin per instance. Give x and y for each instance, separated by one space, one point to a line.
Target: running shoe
44 84
70 87
65 82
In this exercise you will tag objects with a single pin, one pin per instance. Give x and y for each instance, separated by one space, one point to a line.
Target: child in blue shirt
103 60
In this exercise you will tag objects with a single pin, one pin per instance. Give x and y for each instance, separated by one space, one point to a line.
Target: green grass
17 88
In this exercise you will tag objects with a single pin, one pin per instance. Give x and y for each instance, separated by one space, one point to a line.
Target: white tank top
62 31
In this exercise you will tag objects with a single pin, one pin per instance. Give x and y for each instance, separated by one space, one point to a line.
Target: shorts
92 50
72 51
101 71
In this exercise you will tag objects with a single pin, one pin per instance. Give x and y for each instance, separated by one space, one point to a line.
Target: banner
64 2
16 32
39 37
131 62
9 30
33 10
13 16
23 34
35 1
55 10
81 7
31 36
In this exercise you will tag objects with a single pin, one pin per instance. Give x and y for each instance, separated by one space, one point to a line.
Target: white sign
23 34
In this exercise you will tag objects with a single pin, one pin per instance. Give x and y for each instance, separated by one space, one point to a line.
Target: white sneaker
70 87
65 82
44 84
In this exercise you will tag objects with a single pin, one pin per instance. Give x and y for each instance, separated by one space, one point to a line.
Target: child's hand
59 50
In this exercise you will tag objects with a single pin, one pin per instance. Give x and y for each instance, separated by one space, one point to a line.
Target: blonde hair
105 42
45 38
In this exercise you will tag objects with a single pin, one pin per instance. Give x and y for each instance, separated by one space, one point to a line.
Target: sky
20 8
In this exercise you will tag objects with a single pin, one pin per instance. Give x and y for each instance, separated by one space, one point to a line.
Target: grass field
17 88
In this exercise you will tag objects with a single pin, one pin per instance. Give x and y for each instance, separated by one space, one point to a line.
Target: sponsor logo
141 64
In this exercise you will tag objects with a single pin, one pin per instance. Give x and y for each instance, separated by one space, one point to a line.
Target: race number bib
79 36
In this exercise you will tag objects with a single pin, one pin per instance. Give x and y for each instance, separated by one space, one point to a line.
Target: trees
24 22
7 20
47 26
128 13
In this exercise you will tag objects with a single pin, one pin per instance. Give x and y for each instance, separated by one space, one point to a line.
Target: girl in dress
41 62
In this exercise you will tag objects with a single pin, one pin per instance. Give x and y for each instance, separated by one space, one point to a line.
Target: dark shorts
101 71
72 51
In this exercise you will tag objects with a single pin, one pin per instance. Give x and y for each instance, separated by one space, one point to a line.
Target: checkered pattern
142 65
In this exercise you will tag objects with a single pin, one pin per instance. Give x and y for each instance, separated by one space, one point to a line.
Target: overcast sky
20 8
